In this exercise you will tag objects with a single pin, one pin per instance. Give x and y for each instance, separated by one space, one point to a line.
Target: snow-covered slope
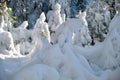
62 60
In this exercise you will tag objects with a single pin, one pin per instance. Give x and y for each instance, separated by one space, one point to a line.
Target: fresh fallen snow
64 60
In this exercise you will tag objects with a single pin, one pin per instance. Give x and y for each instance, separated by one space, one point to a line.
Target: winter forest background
30 10
59 39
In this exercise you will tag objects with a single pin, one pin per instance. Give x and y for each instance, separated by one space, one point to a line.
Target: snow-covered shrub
21 33
21 38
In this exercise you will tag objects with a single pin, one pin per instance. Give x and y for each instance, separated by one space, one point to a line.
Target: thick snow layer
63 60
37 72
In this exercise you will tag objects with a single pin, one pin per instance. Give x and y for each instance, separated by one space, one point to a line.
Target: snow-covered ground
68 55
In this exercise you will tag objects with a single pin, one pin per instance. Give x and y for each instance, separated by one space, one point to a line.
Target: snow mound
37 72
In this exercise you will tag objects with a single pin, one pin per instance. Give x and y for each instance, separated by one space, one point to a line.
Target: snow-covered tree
42 27
82 37
55 18
6 40
40 33
65 8
99 16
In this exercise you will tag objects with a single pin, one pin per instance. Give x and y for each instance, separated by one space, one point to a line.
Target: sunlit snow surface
64 60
